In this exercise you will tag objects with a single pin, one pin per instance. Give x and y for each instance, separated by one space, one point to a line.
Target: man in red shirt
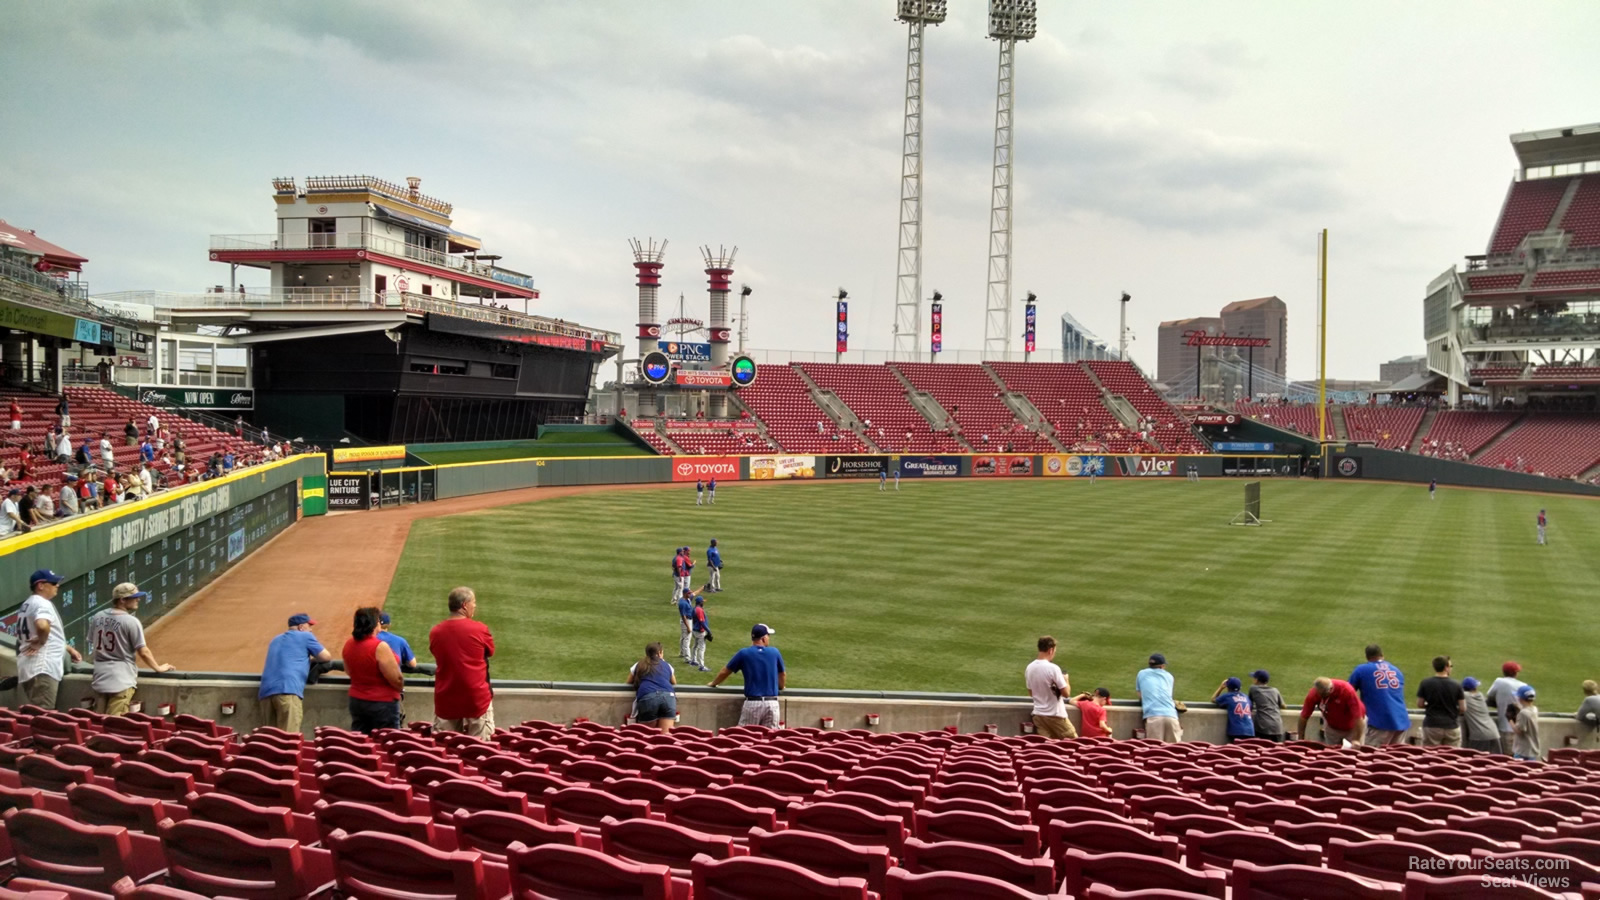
1344 718
461 647
1093 709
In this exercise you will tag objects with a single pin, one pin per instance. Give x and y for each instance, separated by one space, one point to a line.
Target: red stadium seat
1253 882
1179 826
1106 837
903 885
1448 841
785 782
753 878
191 748
888 789
1577 848
663 843
716 815
46 774
1221 849
555 871
261 789
850 824
949 804
93 760
214 859
374 866
1500 828
492 833
352 817
368 790
1382 860
871 803
449 798
1036 875
241 814
55 848
652 792
824 854
587 807
169 762
1131 871
1558 872
144 780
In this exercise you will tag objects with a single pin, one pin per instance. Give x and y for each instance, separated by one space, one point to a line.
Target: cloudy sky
1184 152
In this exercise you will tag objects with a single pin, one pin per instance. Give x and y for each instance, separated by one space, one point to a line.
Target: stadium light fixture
931 12
1015 20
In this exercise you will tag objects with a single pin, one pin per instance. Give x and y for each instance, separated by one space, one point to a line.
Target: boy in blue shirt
714 560
1383 690
1241 715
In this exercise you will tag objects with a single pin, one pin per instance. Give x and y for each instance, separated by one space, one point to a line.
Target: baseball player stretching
883 479
714 561
699 492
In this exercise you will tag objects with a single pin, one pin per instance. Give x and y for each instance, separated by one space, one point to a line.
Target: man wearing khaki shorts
461 646
283 678
1344 717
1153 684
117 647
1048 686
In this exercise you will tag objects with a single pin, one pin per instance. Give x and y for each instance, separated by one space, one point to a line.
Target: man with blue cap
1241 718
42 642
1479 731
116 644
1154 687
400 646
283 678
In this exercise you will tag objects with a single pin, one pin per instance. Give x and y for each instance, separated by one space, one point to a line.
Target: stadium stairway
1340 430
547 809
1423 427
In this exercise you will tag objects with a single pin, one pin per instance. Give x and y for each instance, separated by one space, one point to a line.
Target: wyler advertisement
929 466
1003 465
698 468
854 466
1076 466
773 468
1140 466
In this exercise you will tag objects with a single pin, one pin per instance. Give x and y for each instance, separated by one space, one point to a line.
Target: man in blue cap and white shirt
283 678
42 642
1154 686
764 678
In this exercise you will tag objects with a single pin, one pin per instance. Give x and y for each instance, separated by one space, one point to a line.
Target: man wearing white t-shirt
41 642
1049 688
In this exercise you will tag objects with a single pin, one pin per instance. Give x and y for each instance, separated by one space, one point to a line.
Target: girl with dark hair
653 680
374 672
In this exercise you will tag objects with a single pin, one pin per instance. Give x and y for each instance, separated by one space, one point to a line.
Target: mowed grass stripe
944 585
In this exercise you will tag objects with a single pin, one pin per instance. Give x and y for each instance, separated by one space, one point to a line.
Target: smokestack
719 275
648 258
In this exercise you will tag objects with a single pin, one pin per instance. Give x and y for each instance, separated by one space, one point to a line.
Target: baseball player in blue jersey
688 569
897 478
1433 488
711 491
685 617
883 479
1542 524
714 561
677 573
699 492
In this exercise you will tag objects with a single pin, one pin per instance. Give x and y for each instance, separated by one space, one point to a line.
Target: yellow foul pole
1322 351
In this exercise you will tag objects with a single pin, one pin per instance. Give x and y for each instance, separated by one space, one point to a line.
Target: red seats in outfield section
1382 860
1252 882
46 774
351 817
753 878
81 756
359 788
555 871
372 866
55 848
903 885
716 815
824 854
662 843
1022 840
1130 871
1577 848
921 857
492 833
1221 849
587 807
1106 837
851 824
220 861
782 401
449 798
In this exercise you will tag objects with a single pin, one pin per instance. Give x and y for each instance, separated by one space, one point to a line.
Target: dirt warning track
328 566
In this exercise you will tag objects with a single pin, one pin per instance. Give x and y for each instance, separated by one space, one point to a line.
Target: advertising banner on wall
1141 466
368 454
1216 419
1058 465
854 466
706 379
1243 447
1347 466
349 492
696 468
773 468
199 398
1003 465
685 351
928 466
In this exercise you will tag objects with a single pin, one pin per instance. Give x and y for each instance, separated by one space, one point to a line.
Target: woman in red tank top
374 676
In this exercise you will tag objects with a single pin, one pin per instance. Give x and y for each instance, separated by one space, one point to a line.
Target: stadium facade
1520 322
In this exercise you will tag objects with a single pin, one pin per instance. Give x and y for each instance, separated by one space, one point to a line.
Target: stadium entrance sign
1243 447
349 492
774 468
930 466
220 398
854 466
696 468
1004 465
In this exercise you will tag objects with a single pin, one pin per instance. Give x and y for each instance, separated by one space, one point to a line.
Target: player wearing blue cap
714 561
1382 688
1241 718
711 491
699 492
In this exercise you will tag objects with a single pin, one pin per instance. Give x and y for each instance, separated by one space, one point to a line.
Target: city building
1263 317
1175 359
1396 370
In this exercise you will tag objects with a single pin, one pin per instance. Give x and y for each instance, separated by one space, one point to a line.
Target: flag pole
1322 349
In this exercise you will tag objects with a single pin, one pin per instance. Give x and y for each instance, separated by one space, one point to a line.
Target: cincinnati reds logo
1348 466
650 330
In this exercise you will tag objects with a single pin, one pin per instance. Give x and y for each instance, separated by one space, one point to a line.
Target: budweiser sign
691 378
1199 338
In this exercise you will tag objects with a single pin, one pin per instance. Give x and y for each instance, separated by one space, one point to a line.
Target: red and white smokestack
719 277
648 258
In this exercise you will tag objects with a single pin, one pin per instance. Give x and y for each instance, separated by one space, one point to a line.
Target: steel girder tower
917 14
1010 21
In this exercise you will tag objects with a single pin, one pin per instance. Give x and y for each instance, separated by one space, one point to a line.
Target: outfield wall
171 544
203 694
1393 465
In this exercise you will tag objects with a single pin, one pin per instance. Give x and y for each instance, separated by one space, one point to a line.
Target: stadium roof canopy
14 239
1557 146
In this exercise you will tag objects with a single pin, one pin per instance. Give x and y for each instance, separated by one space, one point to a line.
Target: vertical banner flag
844 326
1028 331
938 327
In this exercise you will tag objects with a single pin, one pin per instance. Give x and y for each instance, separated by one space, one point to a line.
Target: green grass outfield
946 585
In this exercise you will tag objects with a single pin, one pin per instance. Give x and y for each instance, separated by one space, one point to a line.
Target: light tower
648 258
719 275
917 14
1009 21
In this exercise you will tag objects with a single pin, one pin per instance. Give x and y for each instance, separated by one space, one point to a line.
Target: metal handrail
358 241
